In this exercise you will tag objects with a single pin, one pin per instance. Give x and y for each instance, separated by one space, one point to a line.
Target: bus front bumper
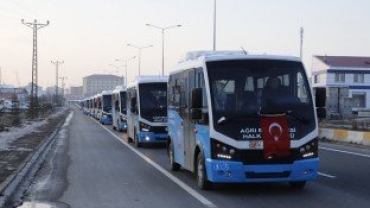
221 171
123 126
106 120
151 137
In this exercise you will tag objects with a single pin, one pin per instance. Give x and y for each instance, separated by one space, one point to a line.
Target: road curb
27 169
347 136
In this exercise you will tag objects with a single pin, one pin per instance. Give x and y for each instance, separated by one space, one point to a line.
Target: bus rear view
252 120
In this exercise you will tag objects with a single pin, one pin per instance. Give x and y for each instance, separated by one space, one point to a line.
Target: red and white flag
275 135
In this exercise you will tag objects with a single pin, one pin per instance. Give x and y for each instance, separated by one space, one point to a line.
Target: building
75 93
11 93
76 90
96 83
40 90
347 82
52 90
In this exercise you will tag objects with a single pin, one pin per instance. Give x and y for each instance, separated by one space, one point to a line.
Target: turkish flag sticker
275 135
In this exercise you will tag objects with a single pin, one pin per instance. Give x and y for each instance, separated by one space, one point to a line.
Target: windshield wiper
298 117
224 120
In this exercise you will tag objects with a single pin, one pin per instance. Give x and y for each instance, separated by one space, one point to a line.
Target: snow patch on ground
14 133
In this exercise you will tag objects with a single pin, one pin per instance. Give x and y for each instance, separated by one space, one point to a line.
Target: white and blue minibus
119 108
97 106
104 114
91 106
147 110
237 118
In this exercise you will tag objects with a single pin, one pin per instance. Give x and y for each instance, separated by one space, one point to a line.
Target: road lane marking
346 152
187 188
326 175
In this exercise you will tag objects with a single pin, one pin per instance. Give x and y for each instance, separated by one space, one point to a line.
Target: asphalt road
93 166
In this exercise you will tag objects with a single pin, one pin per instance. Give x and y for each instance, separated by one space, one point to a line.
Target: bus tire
136 140
129 139
201 173
174 165
114 128
298 184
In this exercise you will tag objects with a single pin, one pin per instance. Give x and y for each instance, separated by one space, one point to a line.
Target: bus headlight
309 150
144 127
223 151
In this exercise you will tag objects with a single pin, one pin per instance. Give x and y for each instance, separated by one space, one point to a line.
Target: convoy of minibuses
225 116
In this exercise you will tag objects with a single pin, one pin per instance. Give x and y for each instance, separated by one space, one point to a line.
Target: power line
34 95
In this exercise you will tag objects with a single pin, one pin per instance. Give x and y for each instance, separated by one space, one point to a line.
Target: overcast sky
90 34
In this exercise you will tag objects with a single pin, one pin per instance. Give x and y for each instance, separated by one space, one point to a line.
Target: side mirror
134 110
321 113
196 113
133 102
320 97
116 105
196 98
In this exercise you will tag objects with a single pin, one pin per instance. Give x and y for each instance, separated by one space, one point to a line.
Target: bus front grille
284 174
255 157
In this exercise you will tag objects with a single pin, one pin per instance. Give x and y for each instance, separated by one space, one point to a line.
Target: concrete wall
356 137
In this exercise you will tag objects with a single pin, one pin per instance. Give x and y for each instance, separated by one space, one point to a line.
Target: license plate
255 145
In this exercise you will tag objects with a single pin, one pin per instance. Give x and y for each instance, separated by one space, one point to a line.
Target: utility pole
301 47
214 25
57 63
34 95
63 85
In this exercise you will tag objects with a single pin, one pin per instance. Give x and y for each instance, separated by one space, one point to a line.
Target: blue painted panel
176 133
222 171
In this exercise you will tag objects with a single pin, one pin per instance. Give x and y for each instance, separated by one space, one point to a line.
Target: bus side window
200 83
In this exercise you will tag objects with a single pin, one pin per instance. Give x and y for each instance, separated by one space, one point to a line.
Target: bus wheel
136 140
202 181
174 165
298 184
114 128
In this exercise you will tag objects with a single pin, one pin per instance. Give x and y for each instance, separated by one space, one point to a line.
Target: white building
96 83
352 74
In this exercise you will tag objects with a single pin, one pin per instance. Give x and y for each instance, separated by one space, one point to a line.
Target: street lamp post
214 25
126 66
139 49
163 29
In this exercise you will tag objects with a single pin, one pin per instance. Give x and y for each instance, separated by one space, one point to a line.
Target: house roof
346 61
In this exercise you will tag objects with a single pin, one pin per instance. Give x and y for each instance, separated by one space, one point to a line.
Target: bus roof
119 89
148 79
106 92
196 59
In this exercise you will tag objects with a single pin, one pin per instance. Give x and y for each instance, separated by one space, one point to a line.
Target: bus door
130 114
189 125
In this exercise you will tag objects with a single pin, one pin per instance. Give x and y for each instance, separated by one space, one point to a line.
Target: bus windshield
243 90
107 103
123 102
153 101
